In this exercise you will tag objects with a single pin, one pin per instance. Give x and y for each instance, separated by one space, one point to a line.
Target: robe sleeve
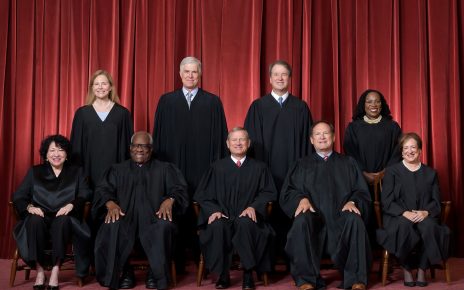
219 132
157 127
293 190
106 190
360 192
307 121
83 193
205 195
390 192
351 146
23 195
254 126
177 188
267 192
395 156
77 137
434 206
127 131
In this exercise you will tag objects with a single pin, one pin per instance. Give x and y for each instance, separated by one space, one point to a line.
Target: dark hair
411 135
282 63
360 107
332 127
59 140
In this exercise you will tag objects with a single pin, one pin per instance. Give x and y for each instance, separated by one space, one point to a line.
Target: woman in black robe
372 137
411 208
49 203
101 129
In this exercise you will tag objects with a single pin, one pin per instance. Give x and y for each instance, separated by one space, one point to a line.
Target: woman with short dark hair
411 208
49 203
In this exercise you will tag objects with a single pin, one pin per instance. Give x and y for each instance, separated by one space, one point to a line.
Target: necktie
189 98
239 163
280 101
326 157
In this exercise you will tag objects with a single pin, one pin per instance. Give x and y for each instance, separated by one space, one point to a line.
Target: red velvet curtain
412 51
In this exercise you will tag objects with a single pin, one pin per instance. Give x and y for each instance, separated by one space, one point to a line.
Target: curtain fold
412 51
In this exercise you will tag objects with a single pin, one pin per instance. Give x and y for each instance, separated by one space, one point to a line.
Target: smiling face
101 87
238 143
190 76
411 151
279 79
56 156
322 138
373 105
140 148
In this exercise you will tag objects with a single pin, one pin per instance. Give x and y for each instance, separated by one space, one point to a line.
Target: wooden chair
16 265
383 269
201 263
139 262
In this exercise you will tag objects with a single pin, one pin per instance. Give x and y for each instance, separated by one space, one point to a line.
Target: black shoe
150 282
57 287
39 287
409 284
223 282
248 283
127 280
421 283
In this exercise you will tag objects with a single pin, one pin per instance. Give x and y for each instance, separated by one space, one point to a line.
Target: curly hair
360 111
59 140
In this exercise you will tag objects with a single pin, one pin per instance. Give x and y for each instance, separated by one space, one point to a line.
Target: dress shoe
49 287
409 284
127 280
248 283
358 286
306 286
39 287
150 282
223 282
421 283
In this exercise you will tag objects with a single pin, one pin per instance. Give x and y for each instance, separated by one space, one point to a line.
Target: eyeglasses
141 146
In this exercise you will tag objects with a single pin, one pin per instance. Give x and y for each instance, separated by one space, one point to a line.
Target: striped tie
238 163
189 99
281 101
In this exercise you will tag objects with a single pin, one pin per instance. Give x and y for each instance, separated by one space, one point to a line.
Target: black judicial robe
404 190
43 189
192 138
230 189
139 191
279 135
373 146
97 144
328 185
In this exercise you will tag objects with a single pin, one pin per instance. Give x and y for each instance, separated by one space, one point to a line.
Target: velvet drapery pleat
412 51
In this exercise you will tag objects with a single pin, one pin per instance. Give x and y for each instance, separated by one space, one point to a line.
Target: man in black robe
233 196
190 131
329 199
140 197
279 124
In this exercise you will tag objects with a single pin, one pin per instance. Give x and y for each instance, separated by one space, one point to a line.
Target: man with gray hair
233 195
190 131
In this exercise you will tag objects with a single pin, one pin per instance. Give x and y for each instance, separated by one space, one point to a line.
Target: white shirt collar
324 154
193 92
276 96
235 159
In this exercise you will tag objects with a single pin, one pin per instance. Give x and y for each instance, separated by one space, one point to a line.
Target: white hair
189 60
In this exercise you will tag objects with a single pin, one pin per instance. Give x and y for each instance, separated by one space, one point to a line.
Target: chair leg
432 273
265 279
173 273
80 282
14 266
385 267
201 269
27 274
447 272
